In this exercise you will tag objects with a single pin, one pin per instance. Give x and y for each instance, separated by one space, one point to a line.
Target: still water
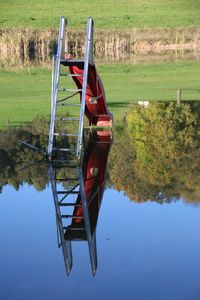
146 221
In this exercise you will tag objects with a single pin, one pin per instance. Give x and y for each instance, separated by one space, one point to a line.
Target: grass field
110 14
26 94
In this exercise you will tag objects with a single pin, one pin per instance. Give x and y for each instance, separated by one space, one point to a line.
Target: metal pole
55 79
89 39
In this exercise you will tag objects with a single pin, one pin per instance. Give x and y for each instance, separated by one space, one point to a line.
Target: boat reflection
78 196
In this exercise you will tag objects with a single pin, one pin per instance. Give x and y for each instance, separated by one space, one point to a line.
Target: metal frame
90 237
88 59
55 79
80 207
56 62
64 243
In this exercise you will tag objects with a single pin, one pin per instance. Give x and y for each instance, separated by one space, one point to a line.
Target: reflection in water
77 188
155 156
77 205
18 165
161 145
162 237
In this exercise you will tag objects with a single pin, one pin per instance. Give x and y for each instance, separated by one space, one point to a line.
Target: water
147 232
147 251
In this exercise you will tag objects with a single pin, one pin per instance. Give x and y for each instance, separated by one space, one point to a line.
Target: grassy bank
111 14
26 94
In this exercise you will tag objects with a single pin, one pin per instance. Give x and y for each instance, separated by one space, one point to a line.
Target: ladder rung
68 119
63 149
69 90
62 166
68 192
71 75
71 62
65 134
61 160
72 217
66 179
68 104
75 229
70 204
65 166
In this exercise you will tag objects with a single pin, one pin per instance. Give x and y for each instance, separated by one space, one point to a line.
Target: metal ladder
58 61
65 203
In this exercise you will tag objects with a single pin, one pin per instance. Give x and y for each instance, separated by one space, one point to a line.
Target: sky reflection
144 251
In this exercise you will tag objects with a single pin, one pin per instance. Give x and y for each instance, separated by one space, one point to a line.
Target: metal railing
55 79
66 245
56 62
87 59
91 238
64 242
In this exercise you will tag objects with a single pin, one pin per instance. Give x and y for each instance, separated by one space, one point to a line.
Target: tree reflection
18 164
157 156
14 157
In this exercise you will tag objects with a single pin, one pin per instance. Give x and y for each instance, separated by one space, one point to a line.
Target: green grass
26 94
150 81
110 14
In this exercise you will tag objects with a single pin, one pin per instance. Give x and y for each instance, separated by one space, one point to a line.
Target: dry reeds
26 48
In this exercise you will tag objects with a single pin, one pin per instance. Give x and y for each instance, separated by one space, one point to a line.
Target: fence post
178 96
8 123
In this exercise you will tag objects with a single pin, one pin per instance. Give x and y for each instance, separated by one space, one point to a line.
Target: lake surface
145 251
147 232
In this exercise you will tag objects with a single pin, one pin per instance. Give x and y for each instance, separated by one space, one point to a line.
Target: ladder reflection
78 195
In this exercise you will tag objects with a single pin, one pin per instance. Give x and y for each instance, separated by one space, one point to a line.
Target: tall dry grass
29 48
